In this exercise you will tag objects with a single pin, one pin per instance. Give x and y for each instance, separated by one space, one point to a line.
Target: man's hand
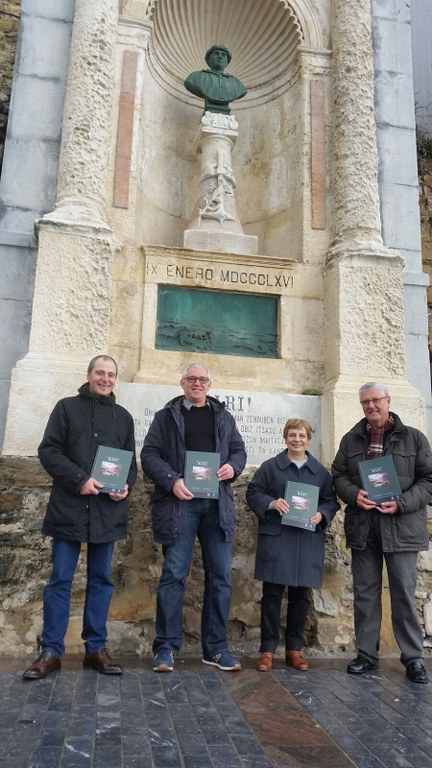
120 496
363 502
225 472
91 487
179 489
388 507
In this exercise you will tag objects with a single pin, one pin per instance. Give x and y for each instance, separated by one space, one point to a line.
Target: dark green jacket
406 531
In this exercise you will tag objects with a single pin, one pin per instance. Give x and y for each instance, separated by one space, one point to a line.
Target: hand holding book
282 506
381 487
302 500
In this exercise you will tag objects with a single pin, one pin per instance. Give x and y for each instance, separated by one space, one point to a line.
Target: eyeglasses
201 379
373 401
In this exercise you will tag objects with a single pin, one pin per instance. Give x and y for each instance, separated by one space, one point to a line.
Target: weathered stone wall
425 200
9 22
25 567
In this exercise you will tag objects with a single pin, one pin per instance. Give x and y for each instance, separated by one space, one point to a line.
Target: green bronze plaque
215 322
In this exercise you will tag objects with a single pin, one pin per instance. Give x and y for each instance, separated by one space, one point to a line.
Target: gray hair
196 365
94 360
373 385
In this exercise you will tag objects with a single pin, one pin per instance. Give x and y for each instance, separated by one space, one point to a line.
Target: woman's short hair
297 424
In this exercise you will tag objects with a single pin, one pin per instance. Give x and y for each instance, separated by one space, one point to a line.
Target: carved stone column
364 312
86 132
72 298
216 225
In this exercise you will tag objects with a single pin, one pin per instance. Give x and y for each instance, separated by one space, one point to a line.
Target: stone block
392 10
400 203
50 9
15 321
425 561
31 171
38 109
37 58
416 319
394 104
398 155
427 616
392 47
17 267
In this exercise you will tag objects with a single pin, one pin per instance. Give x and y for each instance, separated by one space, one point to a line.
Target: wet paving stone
198 717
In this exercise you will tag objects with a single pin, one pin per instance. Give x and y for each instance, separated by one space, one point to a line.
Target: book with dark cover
379 479
302 499
111 467
200 474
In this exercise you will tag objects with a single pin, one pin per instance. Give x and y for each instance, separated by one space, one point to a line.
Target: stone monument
216 226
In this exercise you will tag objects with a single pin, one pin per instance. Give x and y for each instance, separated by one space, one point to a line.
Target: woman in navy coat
287 555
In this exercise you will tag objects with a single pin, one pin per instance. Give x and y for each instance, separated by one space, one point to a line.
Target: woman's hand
280 505
316 519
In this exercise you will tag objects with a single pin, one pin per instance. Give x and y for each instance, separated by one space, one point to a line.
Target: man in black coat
193 422
394 531
79 512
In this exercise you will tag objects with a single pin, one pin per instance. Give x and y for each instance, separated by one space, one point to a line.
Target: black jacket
74 430
163 459
285 554
406 531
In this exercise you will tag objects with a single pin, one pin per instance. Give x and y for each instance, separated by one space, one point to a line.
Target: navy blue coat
163 459
75 429
285 554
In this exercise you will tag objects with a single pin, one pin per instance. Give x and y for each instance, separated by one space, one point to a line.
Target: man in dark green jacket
79 512
392 530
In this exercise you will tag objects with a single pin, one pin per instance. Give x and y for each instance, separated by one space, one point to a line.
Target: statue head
213 85
213 58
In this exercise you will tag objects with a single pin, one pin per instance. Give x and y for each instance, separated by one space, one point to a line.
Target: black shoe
416 672
360 665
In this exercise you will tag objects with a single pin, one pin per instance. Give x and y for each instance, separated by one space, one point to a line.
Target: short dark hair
94 360
217 48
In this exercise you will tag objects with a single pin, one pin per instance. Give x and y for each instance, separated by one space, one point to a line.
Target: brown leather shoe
297 660
265 662
42 666
102 662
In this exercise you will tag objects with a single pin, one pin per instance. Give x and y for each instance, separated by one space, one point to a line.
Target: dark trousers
297 611
367 570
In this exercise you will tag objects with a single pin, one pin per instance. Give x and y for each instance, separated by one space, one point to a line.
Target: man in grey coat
392 530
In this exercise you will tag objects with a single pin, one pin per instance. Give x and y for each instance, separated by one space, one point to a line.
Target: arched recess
264 37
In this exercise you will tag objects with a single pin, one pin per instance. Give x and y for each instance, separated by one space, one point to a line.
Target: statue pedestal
215 240
215 225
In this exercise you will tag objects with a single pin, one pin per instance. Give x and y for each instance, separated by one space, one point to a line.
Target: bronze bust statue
212 85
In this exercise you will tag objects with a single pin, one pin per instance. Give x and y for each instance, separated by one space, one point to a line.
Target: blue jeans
57 595
202 520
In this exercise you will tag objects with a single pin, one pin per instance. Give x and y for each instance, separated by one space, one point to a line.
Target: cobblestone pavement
199 717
